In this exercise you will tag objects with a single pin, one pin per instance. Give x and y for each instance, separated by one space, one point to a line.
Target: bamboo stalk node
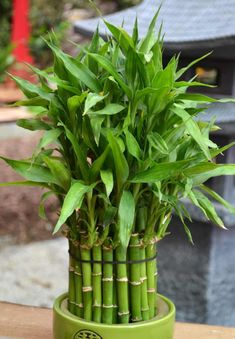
78 273
87 289
151 290
123 279
97 274
107 279
123 313
155 274
97 305
135 283
136 319
142 279
107 306
145 309
71 269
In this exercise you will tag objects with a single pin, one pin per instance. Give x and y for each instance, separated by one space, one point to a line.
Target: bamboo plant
123 146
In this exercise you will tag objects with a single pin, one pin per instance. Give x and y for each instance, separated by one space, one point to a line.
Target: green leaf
91 100
59 171
97 164
158 143
72 201
184 69
206 170
33 102
81 158
96 123
160 172
33 124
49 137
132 145
121 165
123 38
148 41
31 172
208 208
218 198
109 109
31 90
23 183
77 69
41 209
108 66
126 214
192 129
180 84
107 178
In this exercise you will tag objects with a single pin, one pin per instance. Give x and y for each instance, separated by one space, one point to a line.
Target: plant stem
97 283
71 287
78 284
87 282
107 312
135 283
151 269
115 307
144 293
122 286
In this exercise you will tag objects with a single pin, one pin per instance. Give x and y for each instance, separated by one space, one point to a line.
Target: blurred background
200 278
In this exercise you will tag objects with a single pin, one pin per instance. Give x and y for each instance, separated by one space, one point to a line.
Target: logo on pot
86 334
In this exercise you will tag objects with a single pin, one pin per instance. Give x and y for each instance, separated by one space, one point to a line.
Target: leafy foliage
122 145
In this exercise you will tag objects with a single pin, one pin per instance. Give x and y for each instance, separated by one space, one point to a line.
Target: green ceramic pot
68 326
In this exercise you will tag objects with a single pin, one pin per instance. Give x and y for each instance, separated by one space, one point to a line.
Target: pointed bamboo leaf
192 129
209 208
31 172
161 171
91 100
158 143
59 171
31 90
107 178
49 137
184 69
121 165
77 69
108 66
125 41
109 109
97 164
132 145
33 124
23 183
126 214
81 158
72 201
218 198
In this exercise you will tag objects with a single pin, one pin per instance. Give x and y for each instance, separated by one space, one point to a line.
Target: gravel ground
34 274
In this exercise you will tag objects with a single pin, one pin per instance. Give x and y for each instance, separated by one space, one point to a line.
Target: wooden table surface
36 323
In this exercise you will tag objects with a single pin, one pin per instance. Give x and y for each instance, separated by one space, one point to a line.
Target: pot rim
66 314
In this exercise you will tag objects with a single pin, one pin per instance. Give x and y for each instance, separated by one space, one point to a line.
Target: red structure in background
20 36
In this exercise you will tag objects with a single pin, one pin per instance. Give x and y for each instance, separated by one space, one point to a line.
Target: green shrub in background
5 18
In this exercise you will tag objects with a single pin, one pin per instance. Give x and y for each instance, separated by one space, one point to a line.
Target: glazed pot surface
68 326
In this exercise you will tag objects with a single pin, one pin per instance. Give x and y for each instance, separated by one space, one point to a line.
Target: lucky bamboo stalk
122 286
71 287
78 283
85 252
97 283
135 282
144 293
151 269
107 282
115 306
